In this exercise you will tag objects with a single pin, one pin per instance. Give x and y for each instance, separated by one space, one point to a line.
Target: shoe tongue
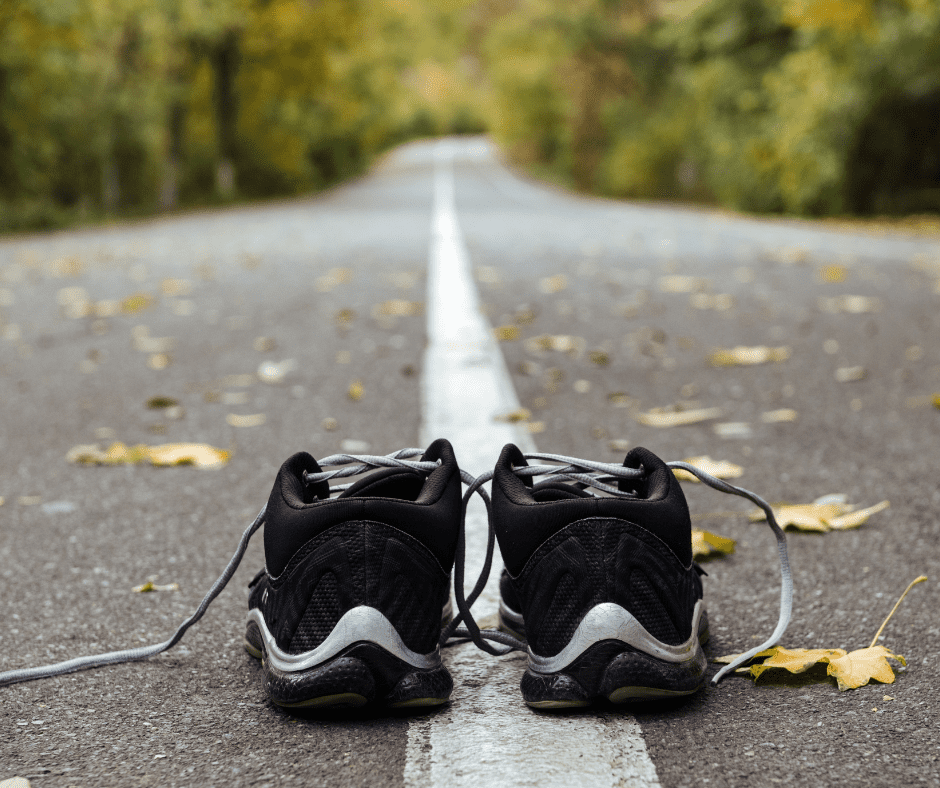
399 483
557 491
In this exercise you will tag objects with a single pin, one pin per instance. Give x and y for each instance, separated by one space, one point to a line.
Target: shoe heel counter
351 565
601 560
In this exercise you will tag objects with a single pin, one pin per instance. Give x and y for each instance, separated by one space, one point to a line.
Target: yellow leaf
199 454
515 416
797 660
136 303
729 658
355 391
720 469
855 519
705 544
857 668
508 333
15 782
825 514
748 356
676 419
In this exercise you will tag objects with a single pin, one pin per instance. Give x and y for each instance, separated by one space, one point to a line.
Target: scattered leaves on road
828 513
851 669
706 544
199 455
747 356
720 469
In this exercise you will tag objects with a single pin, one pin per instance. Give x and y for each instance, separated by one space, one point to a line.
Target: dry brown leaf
721 469
828 513
705 544
748 356
661 418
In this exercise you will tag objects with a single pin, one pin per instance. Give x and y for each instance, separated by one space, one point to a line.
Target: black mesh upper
567 551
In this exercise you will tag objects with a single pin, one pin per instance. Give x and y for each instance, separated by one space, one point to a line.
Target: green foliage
115 107
797 106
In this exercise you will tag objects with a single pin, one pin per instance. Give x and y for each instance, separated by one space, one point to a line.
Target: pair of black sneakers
353 605
355 598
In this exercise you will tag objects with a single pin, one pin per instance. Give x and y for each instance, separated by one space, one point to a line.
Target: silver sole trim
609 621
508 614
359 624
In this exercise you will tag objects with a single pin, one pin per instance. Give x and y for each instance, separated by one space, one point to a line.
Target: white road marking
487 736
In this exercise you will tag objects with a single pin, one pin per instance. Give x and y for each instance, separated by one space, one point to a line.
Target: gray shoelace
600 475
359 464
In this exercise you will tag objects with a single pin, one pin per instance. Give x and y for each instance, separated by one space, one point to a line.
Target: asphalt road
336 284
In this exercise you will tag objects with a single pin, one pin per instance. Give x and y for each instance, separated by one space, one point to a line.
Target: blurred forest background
805 107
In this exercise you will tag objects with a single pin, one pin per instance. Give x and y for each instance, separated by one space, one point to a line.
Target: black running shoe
603 588
350 605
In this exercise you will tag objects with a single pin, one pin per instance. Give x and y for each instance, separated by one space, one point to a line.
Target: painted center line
487 736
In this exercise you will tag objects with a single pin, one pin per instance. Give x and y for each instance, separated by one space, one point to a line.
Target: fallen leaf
720 469
720 302
834 273
660 418
515 416
508 333
275 371
682 284
15 782
824 514
136 303
851 304
857 668
176 287
150 586
561 343
250 420
849 374
397 307
553 284
355 391
748 356
778 416
705 544
158 403
200 455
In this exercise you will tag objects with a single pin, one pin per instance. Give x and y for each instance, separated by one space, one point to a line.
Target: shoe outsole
361 674
618 673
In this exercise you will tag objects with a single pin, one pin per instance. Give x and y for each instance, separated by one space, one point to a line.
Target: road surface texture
617 308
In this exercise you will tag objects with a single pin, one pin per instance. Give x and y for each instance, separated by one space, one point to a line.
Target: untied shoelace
582 472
